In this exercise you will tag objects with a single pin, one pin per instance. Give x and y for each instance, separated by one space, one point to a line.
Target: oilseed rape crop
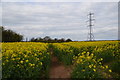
25 60
96 59
90 59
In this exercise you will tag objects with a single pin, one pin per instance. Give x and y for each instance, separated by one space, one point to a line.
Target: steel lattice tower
90 25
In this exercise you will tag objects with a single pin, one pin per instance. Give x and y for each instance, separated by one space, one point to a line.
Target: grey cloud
59 1
60 19
0 14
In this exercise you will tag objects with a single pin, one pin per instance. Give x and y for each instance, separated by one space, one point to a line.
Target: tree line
47 39
11 36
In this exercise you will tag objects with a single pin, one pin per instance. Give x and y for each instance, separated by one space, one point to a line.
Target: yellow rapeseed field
25 60
97 59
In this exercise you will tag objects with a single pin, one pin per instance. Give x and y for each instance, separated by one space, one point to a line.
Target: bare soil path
58 70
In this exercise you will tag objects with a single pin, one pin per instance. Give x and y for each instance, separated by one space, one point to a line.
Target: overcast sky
61 19
59 0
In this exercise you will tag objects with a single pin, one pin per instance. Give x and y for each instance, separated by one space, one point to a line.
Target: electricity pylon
90 20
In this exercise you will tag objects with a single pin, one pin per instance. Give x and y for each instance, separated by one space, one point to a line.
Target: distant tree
46 38
36 40
55 39
40 39
61 40
1 29
32 39
68 40
10 36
